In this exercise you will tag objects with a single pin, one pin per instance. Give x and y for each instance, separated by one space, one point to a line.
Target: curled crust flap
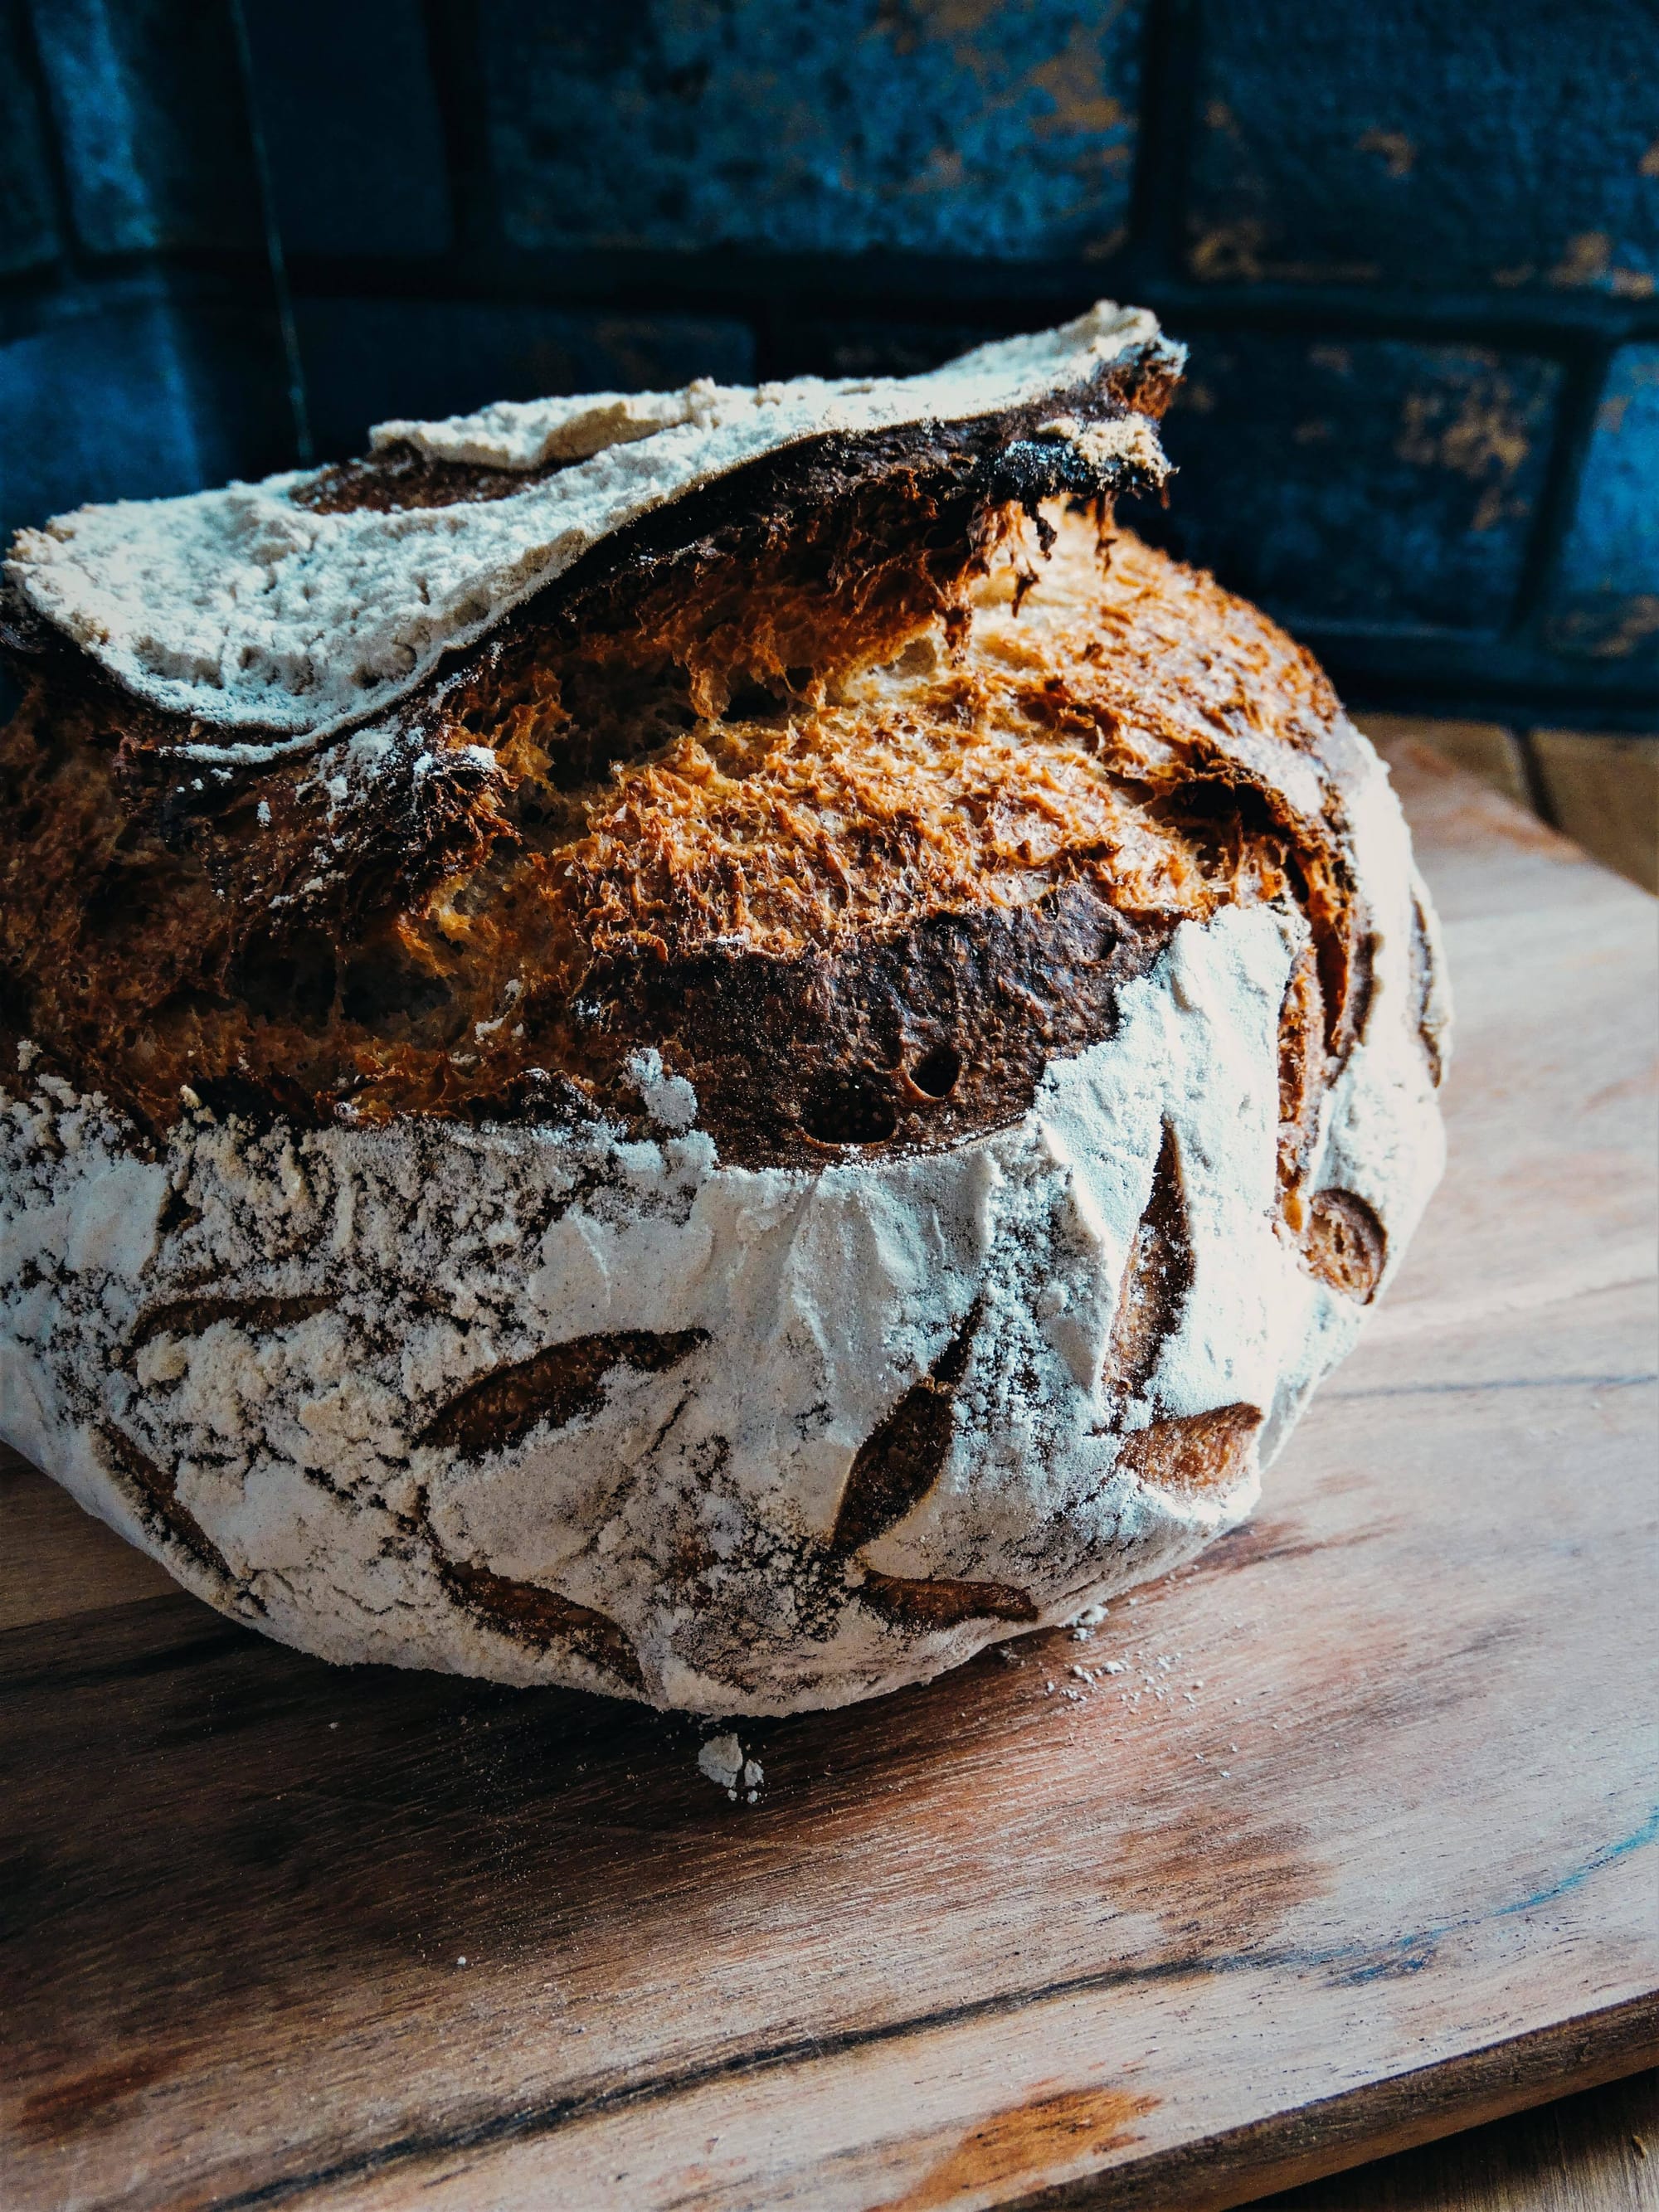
299 606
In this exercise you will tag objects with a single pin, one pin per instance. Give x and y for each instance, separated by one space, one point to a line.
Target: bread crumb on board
722 1759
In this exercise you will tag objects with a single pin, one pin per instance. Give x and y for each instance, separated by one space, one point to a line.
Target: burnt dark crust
828 553
965 470
795 1062
912 1035
398 476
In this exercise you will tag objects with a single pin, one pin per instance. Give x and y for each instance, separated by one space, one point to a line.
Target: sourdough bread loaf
718 1045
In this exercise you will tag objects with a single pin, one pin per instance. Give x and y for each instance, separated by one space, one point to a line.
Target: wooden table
1360 1850
1595 2152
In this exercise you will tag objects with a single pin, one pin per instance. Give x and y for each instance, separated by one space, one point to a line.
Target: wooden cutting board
1358 1848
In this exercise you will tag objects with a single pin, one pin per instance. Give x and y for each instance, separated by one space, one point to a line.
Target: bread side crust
236 1351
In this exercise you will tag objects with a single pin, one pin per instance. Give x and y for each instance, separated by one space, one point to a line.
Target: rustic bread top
856 779
308 603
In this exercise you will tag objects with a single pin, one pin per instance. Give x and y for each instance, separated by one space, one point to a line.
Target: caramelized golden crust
851 903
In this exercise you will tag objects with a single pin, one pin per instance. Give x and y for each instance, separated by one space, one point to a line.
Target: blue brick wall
356 149
1369 480
1606 599
1472 148
28 227
146 97
989 130
121 395
1413 250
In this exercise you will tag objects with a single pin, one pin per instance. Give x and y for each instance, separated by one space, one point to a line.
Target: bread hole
852 1110
919 658
293 980
541 1618
1157 1278
563 1384
901 1459
938 1071
929 1603
1346 1244
751 702
1200 1454
378 987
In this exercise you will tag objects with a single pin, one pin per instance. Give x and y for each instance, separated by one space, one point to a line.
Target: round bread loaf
718 1046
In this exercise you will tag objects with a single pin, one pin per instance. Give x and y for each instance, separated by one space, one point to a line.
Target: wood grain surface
1596 2152
1358 1851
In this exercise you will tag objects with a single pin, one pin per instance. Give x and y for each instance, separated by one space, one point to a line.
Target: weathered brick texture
346 101
1367 480
125 397
1606 603
146 96
1481 147
28 227
971 128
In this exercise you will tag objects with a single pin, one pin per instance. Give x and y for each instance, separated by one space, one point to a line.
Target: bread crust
819 1093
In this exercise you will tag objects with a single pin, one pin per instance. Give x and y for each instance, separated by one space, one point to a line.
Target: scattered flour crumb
668 1099
722 1759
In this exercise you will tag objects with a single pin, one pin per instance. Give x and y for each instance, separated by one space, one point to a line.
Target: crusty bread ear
296 609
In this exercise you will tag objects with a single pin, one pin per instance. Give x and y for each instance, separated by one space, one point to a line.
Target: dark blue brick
1364 483
1506 143
28 233
354 144
153 123
1000 128
1607 597
135 401
366 360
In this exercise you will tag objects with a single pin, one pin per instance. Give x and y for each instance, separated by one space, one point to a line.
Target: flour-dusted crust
286 608
810 1088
